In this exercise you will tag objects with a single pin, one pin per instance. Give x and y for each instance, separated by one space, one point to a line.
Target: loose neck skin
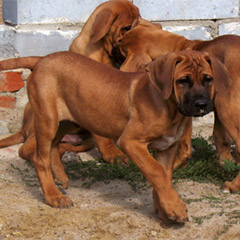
166 42
178 43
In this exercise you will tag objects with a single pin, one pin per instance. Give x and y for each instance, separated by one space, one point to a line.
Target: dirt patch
107 211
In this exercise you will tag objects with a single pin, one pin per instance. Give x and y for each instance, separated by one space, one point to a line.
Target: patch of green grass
209 198
233 219
201 167
201 219
221 232
235 214
191 200
30 179
98 170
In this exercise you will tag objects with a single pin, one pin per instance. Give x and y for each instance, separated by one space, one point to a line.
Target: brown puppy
136 60
140 110
27 134
101 33
145 42
104 28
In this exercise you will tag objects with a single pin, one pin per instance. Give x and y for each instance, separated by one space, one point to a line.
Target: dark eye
126 28
185 81
207 79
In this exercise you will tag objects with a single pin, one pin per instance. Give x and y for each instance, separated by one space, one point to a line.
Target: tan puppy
27 134
141 110
104 28
138 52
101 33
145 43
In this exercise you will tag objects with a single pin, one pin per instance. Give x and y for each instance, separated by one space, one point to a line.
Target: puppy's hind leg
57 167
109 151
234 185
234 132
27 150
46 150
222 141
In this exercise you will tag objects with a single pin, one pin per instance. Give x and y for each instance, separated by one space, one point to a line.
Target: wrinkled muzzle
196 106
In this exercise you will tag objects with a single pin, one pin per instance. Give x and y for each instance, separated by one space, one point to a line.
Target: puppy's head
192 78
113 19
140 45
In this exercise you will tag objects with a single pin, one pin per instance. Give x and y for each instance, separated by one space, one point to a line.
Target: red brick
7 101
11 81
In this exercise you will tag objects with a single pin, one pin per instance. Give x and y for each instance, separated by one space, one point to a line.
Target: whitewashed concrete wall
36 27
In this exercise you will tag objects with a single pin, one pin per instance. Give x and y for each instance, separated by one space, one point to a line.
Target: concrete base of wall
40 40
35 40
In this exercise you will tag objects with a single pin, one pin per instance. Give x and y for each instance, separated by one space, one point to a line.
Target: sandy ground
110 211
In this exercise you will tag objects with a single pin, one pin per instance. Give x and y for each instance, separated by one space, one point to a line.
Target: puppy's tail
24 62
12 140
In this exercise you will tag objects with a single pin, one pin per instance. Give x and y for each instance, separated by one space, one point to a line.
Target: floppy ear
161 72
101 25
135 22
222 80
146 23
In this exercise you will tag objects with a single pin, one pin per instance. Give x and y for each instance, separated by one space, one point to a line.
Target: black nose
200 103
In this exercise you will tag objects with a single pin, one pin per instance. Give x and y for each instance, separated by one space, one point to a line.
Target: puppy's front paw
58 200
62 182
170 211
